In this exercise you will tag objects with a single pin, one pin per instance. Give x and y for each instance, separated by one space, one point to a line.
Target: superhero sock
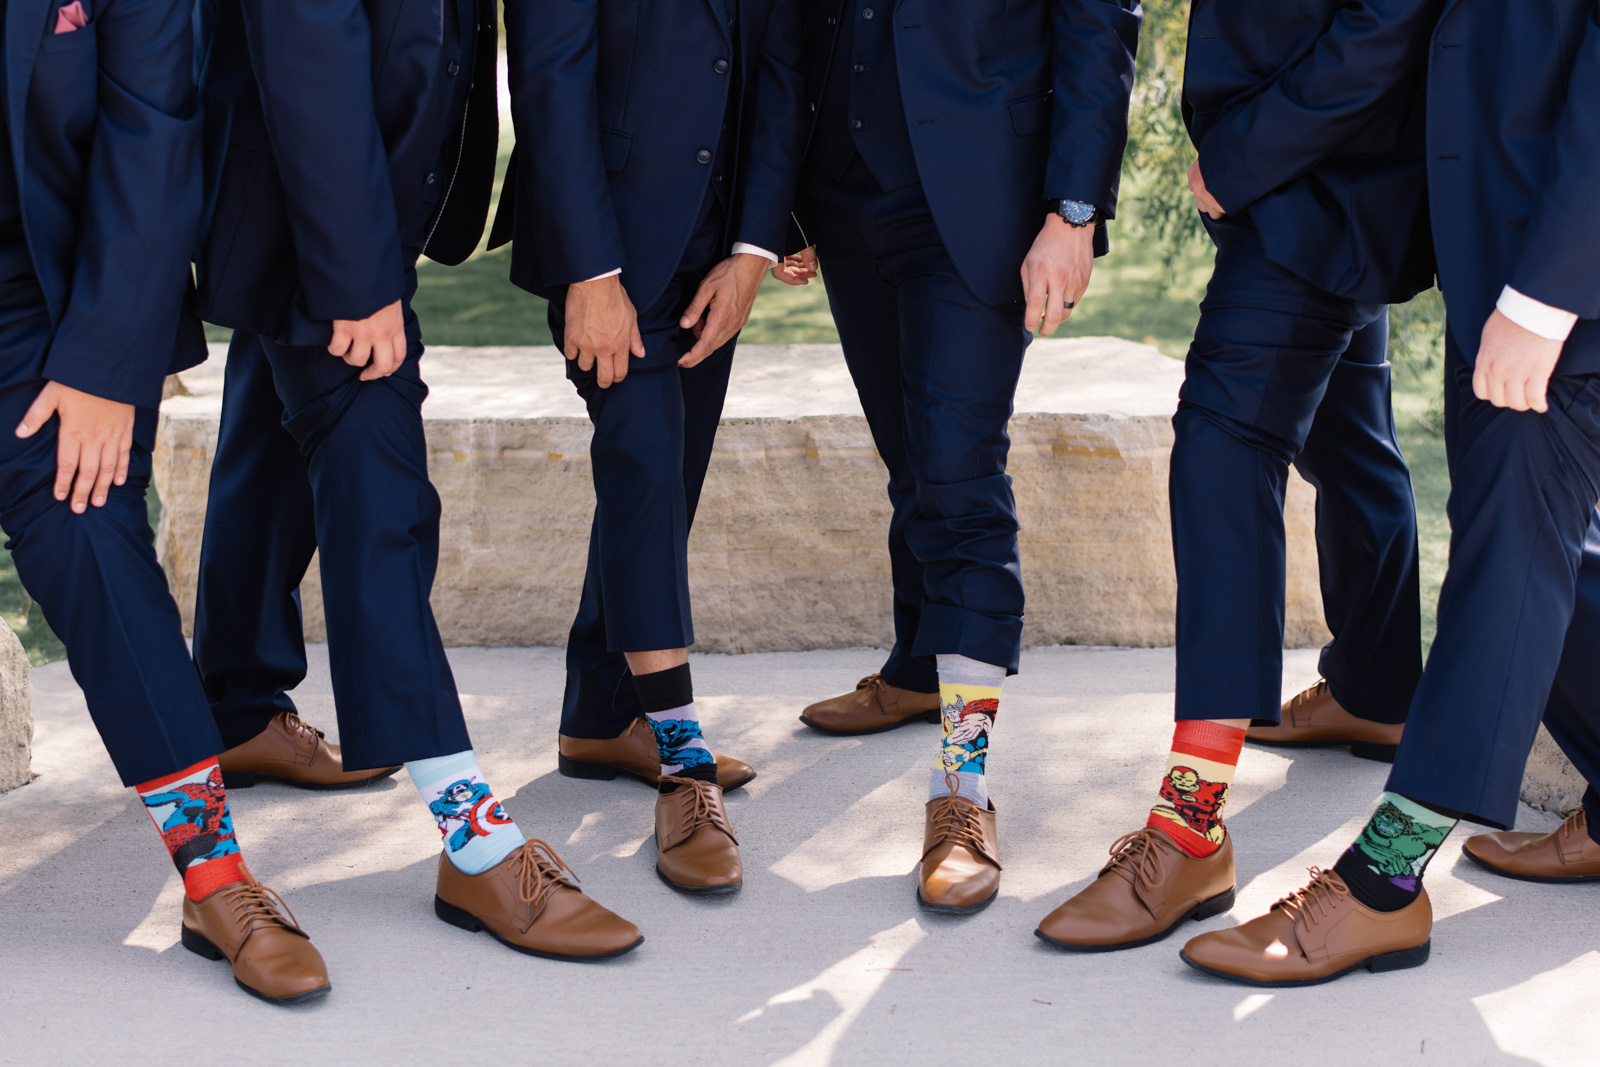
1200 770
1384 867
969 699
190 810
477 831
668 699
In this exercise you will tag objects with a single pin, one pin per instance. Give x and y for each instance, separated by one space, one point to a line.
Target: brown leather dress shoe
1565 854
1149 887
530 901
960 871
696 851
871 708
1314 935
249 925
1315 718
635 754
293 751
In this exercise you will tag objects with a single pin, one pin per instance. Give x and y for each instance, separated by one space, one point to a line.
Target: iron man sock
190 810
477 831
969 699
1200 771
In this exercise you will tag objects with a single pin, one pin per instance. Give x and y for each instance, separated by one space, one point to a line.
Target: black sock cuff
664 690
1370 887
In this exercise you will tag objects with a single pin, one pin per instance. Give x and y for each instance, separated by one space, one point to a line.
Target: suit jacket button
430 179
702 156
453 69
868 14
720 66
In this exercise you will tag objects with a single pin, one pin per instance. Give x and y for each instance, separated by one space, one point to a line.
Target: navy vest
861 111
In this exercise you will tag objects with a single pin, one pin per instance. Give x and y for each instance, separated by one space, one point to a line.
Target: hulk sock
1384 867
969 699
477 832
190 810
668 699
1200 770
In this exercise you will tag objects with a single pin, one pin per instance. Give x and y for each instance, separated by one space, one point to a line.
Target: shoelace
701 811
876 683
1324 891
540 872
1576 822
1300 700
958 823
296 725
1139 855
253 903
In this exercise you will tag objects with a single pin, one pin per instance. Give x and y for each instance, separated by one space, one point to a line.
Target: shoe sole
1388 961
921 716
1206 909
951 909
465 920
1368 750
249 779
202 947
1543 879
605 772
701 890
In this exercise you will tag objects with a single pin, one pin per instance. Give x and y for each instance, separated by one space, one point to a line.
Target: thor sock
1384 867
969 699
1200 770
668 699
477 832
190 810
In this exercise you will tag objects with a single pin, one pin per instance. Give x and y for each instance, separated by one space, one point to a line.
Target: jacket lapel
25 29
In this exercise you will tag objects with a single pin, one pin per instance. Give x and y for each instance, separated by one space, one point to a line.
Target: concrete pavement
823 958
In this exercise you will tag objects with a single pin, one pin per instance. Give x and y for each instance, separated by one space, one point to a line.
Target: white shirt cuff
1548 322
607 274
740 248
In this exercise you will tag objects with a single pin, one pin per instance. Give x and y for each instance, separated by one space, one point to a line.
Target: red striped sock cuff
203 879
1208 740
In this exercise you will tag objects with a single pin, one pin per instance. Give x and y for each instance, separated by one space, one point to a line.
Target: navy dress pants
653 434
1519 612
936 370
97 579
308 457
1282 372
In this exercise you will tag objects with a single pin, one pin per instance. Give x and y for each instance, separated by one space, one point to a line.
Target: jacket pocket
614 148
1031 114
56 43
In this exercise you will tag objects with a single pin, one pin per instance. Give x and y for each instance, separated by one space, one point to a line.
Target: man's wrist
601 277
744 248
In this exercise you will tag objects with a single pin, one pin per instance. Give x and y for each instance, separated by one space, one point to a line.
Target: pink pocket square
70 17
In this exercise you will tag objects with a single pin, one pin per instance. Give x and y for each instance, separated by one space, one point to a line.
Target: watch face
1077 212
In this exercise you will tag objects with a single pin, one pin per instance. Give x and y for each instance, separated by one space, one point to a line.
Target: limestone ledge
16 712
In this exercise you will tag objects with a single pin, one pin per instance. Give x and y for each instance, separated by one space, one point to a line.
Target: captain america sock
1385 865
1200 770
969 699
190 810
668 699
477 832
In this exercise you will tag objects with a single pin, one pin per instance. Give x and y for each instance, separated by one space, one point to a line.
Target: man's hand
1202 196
722 304
1056 273
602 328
1514 366
797 269
377 342
93 443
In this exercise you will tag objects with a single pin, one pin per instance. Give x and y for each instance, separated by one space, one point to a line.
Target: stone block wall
16 712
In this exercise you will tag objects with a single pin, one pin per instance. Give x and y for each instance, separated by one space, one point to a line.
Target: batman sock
1200 770
668 699
1384 867
190 810
969 699
477 832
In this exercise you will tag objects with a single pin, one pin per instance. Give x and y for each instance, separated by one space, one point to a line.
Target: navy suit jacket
1514 163
335 130
1309 118
105 143
1008 103
618 105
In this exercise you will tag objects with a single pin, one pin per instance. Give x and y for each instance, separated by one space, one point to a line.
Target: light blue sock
477 832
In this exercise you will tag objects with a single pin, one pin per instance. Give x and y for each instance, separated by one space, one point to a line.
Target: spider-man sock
969 698
1200 772
668 699
190 810
477 832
